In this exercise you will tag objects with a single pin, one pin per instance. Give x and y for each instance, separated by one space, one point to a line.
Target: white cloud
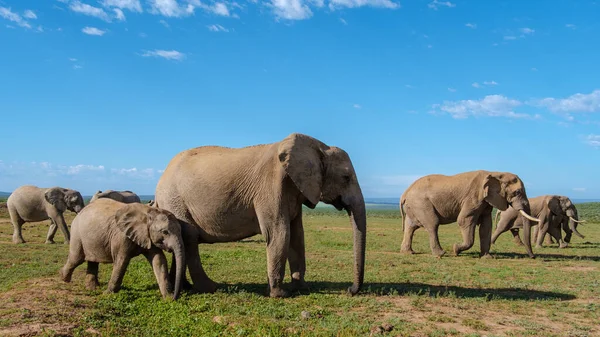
593 140
471 25
166 54
574 103
409 86
86 9
534 69
451 89
29 14
93 31
119 15
290 9
571 26
490 83
77 66
435 4
343 21
357 106
579 189
220 9
334 4
217 28
527 31
510 37
476 85
77 169
72 59
489 106
9 15
164 23
171 8
132 5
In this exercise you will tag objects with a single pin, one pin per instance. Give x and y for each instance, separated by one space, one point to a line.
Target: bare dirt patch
42 305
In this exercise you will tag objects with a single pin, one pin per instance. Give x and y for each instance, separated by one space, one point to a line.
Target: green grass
557 294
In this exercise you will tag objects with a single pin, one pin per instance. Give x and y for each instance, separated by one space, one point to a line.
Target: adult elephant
553 211
126 197
30 203
467 198
227 194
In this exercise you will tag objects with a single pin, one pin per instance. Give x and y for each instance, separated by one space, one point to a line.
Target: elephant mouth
338 203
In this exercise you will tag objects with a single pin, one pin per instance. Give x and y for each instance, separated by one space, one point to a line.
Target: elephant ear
56 197
492 189
135 223
554 206
302 158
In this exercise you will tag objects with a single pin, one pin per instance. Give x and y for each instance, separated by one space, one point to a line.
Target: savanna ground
556 294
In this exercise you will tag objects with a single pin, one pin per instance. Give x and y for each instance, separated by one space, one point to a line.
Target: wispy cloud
166 54
217 28
579 189
574 103
490 83
291 9
435 4
171 8
131 5
8 14
593 140
476 85
485 83
164 23
29 14
119 15
471 25
451 89
571 26
334 4
357 106
489 106
343 21
527 31
93 31
85 9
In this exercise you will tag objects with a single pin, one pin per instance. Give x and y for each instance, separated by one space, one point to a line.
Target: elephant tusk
523 213
577 221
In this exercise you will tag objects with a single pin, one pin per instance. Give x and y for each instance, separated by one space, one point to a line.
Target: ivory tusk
528 216
577 221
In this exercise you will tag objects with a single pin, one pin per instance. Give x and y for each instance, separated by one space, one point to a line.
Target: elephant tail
402 212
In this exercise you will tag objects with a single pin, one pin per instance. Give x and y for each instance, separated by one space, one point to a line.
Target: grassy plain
557 294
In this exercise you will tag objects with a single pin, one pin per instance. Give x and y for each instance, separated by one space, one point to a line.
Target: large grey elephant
108 231
224 194
122 196
31 203
467 198
553 211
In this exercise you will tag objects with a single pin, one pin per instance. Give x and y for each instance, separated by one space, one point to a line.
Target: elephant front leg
516 237
276 230
58 221
297 254
17 233
502 226
159 265
485 235
467 228
91 275
51 232
434 241
118 272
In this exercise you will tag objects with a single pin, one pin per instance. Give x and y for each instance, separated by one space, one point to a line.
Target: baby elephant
108 231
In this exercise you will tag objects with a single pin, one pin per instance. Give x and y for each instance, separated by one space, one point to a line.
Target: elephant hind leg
424 217
467 228
17 223
516 237
75 259
502 226
91 275
409 231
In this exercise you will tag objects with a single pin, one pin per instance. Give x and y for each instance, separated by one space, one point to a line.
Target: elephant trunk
572 222
179 253
358 218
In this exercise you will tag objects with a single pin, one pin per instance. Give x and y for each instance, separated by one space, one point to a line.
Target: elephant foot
63 276
91 283
18 241
518 242
456 249
538 246
205 287
278 293
439 253
50 242
407 251
299 285
563 245
487 256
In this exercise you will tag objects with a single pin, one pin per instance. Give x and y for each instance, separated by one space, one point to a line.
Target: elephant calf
127 197
31 204
108 231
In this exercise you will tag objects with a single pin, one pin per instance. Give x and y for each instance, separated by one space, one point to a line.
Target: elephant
151 203
222 194
122 196
30 203
467 198
554 212
108 231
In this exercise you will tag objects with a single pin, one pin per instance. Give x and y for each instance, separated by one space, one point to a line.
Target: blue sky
101 94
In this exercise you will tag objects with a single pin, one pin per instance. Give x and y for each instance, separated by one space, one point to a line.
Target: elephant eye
164 232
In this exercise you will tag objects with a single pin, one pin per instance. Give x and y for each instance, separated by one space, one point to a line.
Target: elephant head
149 226
564 207
503 189
64 198
326 174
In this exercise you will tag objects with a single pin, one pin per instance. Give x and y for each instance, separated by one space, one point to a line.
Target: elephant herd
213 194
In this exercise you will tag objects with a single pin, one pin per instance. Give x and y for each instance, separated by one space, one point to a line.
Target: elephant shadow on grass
404 289
550 257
